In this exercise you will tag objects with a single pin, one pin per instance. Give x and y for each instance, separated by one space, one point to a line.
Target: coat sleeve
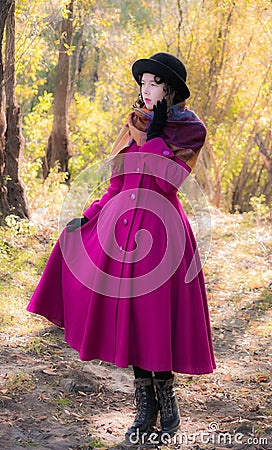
169 171
115 186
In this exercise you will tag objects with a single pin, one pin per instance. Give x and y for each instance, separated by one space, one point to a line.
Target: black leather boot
147 408
168 405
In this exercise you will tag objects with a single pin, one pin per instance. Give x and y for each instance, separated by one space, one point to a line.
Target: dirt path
49 399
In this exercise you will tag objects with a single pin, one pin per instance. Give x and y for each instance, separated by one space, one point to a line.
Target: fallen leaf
226 377
262 378
50 371
3 391
5 397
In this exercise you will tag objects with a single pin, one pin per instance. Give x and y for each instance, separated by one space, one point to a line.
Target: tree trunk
14 140
264 154
4 206
212 183
94 74
58 149
77 63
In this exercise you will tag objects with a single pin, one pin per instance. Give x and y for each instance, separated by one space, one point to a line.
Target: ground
49 399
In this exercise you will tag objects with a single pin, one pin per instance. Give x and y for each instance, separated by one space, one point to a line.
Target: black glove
158 121
76 223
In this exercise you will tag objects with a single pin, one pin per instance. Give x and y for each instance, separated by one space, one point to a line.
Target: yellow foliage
226 47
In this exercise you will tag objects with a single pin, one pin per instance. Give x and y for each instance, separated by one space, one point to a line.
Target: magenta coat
127 286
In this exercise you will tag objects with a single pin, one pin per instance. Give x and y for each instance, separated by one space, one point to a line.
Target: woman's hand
76 223
158 121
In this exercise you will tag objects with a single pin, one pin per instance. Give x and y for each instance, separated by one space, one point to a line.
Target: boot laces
166 401
141 403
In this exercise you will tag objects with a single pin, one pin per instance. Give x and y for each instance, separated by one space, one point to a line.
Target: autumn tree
226 47
58 149
12 193
4 9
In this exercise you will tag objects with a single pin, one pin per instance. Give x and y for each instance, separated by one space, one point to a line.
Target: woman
125 280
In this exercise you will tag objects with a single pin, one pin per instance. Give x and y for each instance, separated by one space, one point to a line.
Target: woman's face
151 91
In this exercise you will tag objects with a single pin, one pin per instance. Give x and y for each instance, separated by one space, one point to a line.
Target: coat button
138 169
166 152
125 221
133 196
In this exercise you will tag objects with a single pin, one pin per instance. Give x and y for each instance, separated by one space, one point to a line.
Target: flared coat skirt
127 287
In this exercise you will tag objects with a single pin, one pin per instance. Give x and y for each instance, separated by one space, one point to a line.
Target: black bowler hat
166 66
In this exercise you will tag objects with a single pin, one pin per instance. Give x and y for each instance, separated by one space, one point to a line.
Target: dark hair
170 94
